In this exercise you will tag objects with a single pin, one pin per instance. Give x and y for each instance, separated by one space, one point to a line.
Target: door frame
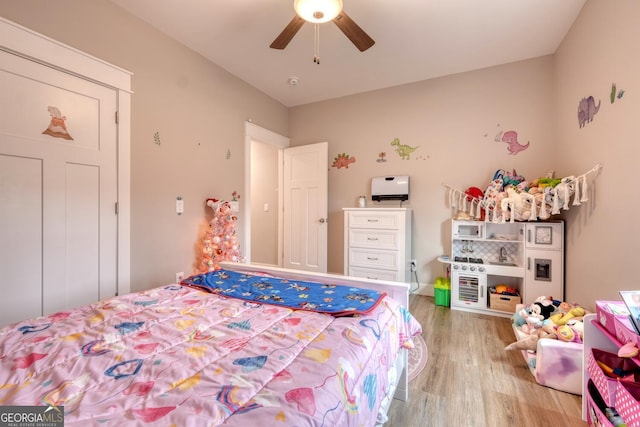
28 44
254 132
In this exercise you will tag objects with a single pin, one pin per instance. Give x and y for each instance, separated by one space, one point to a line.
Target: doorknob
323 220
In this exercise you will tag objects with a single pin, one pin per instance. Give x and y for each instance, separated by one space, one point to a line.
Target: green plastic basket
442 291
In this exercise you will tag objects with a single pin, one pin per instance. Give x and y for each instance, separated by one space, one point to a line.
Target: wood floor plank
471 381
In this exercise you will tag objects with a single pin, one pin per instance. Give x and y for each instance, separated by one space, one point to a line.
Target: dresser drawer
373 258
376 239
372 273
386 220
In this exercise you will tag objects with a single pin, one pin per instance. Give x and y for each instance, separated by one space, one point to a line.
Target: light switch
179 205
266 207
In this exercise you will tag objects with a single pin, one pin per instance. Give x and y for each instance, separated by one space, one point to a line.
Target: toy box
504 302
607 311
555 363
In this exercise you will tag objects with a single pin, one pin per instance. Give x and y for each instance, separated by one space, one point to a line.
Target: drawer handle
372 220
372 238
372 258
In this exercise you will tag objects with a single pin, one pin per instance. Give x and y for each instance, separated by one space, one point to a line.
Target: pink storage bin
595 416
606 385
625 332
607 311
627 405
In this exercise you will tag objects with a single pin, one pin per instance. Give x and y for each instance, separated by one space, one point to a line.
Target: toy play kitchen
495 266
503 236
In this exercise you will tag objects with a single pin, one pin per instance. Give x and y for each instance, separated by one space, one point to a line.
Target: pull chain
316 44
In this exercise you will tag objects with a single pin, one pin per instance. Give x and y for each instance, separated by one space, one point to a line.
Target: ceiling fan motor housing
318 11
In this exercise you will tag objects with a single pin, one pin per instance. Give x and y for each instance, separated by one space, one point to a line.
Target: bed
184 356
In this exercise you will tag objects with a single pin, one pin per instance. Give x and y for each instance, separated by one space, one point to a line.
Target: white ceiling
415 40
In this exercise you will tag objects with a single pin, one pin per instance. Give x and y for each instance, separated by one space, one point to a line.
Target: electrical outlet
179 277
414 265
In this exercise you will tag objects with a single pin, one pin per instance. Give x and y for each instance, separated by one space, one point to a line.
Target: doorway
285 215
263 189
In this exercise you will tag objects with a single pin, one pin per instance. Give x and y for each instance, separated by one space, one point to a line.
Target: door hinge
117 118
116 208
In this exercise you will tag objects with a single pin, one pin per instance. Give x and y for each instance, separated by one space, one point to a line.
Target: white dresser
377 243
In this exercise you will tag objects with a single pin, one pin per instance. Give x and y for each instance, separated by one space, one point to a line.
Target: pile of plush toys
549 319
510 197
552 319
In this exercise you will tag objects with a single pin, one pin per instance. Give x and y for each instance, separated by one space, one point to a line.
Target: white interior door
58 189
305 207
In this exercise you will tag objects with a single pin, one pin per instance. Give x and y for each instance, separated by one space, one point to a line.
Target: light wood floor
471 381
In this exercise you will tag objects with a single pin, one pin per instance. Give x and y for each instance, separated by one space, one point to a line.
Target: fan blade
353 32
287 34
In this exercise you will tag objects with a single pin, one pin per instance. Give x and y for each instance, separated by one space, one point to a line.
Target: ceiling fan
320 11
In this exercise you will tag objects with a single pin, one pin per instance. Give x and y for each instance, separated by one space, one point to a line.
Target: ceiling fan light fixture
318 11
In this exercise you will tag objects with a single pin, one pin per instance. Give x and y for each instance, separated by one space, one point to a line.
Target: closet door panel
20 234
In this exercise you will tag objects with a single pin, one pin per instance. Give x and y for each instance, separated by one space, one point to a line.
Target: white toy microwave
467 229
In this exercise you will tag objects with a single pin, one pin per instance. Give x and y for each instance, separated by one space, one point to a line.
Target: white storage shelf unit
378 243
596 336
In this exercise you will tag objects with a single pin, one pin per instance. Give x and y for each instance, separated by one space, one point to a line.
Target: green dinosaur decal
404 151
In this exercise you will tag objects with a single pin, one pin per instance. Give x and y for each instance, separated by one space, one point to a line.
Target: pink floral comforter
176 356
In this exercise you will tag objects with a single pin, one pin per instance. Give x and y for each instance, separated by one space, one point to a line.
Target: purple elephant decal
587 108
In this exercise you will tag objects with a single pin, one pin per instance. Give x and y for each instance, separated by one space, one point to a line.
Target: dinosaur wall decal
404 151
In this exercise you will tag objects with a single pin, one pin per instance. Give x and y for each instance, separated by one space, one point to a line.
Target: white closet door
58 189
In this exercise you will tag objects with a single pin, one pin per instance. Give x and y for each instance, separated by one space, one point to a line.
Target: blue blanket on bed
336 300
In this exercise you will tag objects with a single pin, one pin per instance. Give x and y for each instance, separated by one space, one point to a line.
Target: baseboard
425 289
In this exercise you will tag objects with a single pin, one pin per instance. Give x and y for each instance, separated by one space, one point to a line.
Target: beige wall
453 120
602 242
198 109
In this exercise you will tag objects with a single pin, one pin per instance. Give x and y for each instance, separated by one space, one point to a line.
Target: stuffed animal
562 318
578 326
462 216
628 350
569 333
530 342
474 193
541 311
520 318
566 312
535 315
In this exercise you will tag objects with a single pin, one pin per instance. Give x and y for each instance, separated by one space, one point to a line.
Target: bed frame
399 291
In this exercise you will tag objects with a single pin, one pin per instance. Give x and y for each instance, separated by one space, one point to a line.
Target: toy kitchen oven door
468 283
544 261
